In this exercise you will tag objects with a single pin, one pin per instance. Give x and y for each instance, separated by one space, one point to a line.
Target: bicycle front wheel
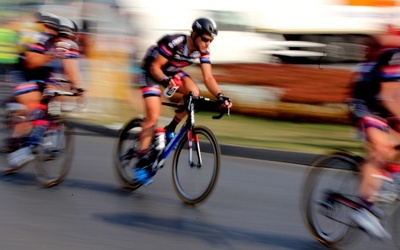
5 149
54 156
329 221
196 165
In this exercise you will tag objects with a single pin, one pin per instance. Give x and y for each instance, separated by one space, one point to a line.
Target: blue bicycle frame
186 128
170 146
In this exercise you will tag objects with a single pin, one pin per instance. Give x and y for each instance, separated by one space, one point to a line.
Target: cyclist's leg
30 95
152 104
27 94
33 128
380 151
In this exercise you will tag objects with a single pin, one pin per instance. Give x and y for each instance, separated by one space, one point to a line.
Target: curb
230 150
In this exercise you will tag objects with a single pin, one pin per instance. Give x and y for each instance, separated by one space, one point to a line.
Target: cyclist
36 66
375 113
160 65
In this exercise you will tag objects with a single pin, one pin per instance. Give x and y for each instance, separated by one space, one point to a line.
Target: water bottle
389 187
159 139
395 170
170 91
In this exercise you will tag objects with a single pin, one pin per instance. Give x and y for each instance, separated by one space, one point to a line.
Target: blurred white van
236 41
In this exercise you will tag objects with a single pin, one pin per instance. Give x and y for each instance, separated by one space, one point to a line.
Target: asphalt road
255 206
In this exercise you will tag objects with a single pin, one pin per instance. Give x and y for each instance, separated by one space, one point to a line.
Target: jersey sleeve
389 69
69 48
205 58
166 47
41 44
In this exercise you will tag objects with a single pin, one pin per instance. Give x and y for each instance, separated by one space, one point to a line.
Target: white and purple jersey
174 48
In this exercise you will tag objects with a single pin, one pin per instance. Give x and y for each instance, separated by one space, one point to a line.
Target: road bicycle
53 156
196 161
330 195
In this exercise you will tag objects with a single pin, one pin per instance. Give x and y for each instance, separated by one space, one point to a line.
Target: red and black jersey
175 49
367 85
44 44
48 44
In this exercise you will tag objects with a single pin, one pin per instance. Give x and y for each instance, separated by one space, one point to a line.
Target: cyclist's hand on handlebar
78 91
226 101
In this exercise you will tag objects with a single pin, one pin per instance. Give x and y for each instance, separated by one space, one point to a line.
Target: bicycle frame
185 129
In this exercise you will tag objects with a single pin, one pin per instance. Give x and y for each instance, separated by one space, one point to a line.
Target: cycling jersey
45 44
367 85
175 49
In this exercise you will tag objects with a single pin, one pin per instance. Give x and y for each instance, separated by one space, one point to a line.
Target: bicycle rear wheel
124 158
195 172
328 221
54 156
394 222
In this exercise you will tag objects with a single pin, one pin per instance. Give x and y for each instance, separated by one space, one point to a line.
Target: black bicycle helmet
67 28
50 20
205 25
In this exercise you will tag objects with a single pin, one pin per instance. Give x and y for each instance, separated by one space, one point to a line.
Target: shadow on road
28 179
215 235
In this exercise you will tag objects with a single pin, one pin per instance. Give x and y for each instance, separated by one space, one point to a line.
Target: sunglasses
206 39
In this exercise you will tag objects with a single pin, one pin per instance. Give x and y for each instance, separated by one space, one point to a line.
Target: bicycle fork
194 138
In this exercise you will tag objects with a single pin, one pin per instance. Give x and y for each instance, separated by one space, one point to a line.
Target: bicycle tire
394 220
53 158
184 186
124 160
324 222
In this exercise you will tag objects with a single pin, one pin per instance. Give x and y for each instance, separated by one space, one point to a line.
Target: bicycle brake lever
217 116
220 115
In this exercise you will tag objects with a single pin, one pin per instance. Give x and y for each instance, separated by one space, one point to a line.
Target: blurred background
277 47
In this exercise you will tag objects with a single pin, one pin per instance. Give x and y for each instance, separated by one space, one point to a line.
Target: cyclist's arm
35 60
69 52
156 67
71 71
209 79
